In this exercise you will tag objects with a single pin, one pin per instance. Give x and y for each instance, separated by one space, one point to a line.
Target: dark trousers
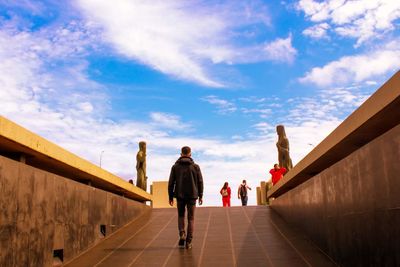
244 200
190 206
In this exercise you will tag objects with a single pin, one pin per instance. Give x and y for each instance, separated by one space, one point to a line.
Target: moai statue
141 166
283 148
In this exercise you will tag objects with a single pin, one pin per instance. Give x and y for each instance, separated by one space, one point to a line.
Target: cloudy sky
98 75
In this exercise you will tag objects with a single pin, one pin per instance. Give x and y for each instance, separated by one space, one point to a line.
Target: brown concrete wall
40 212
352 209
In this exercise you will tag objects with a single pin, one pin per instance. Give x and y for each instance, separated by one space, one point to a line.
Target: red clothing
226 200
277 174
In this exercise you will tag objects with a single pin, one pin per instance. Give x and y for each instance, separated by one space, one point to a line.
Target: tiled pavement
236 236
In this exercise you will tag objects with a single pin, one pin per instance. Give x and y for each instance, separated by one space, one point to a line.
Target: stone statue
141 166
283 148
145 183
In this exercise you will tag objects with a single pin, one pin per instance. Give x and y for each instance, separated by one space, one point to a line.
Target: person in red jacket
226 195
277 173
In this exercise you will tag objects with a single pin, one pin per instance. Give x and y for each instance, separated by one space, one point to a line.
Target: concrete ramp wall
352 209
45 217
345 195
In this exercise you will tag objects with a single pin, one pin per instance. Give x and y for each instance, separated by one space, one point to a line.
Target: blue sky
218 76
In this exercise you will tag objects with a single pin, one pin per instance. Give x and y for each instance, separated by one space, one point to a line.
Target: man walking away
186 185
242 193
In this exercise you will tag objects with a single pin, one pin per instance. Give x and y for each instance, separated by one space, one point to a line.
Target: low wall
42 214
351 210
20 144
159 191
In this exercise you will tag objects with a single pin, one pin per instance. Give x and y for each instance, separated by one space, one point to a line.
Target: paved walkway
236 236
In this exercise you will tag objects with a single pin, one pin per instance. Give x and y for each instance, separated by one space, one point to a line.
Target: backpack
224 192
243 191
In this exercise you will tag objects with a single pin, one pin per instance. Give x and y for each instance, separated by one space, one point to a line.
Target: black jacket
185 180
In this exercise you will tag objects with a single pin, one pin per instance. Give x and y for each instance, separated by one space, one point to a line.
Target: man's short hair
275 164
244 181
186 150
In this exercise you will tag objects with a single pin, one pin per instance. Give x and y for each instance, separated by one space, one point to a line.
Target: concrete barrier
55 205
21 144
345 195
46 218
376 116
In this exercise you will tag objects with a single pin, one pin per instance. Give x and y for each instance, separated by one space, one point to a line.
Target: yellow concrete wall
263 191
160 195
36 146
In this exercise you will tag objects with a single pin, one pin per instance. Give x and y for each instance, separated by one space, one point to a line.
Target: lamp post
101 156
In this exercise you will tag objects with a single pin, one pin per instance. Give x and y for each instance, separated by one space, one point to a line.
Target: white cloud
263 112
275 105
359 19
85 107
330 105
237 137
185 39
223 106
318 31
264 128
307 135
281 50
356 68
253 99
32 7
169 121
371 83
159 34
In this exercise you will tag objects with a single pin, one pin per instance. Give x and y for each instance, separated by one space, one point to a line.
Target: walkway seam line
106 238
290 243
204 239
230 237
126 241
258 238
170 254
151 241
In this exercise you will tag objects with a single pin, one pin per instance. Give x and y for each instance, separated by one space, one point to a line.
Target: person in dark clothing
242 193
186 185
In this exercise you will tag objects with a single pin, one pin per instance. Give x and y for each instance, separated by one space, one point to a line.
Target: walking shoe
188 244
182 237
